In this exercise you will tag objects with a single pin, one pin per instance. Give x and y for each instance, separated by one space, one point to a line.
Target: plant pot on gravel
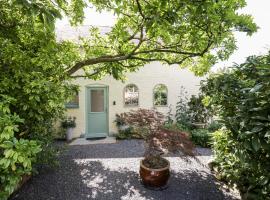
157 176
69 124
154 169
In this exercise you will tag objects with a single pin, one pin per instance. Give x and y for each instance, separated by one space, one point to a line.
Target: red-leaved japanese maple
149 124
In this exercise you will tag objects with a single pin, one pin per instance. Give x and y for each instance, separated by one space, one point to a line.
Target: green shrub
198 112
169 116
182 113
17 156
201 137
251 182
125 131
214 126
192 110
60 134
125 134
32 72
177 127
241 97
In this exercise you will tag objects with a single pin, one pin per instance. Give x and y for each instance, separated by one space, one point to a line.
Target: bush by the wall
17 156
241 97
197 111
125 134
191 111
182 115
201 137
214 126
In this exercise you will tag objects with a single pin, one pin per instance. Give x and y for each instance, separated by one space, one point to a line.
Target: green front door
97 111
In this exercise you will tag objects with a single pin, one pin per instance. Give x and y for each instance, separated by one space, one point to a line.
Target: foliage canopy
241 97
35 68
192 33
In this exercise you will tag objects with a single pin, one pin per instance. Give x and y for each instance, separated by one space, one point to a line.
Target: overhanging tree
191 33
35 68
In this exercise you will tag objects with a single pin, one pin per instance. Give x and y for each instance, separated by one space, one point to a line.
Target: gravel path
110 172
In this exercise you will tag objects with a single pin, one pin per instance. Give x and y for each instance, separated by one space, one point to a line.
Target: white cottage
152 86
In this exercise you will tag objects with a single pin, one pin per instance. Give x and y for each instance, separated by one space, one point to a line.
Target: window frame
167 92
124 91
70 105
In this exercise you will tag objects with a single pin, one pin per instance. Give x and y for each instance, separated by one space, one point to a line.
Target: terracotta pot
155 178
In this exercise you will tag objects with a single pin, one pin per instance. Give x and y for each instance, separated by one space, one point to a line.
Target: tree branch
140 9
160 59
133 53
92 61
168 50
139 44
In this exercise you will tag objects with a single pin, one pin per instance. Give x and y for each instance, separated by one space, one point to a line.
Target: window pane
131 95
97 100
160 95
74 102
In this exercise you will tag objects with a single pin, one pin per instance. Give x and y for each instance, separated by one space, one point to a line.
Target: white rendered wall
146 79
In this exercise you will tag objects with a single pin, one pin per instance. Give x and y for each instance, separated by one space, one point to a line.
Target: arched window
131 95
160 95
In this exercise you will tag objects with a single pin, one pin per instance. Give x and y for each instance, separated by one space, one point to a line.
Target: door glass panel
97 100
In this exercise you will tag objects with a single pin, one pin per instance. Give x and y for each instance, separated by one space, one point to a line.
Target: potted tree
69 124
154 169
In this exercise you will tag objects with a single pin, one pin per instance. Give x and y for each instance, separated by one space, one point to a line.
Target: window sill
71 106
131 106
165 106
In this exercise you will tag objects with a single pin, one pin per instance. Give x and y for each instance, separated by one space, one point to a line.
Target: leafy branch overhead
192 34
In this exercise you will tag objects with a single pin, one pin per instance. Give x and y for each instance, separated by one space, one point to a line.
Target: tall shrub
32 66
241 96
17 156
33 88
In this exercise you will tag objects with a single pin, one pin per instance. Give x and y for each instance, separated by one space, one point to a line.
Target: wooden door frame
87 100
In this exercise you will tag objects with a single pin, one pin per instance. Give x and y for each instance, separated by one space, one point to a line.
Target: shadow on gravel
92 180
110 172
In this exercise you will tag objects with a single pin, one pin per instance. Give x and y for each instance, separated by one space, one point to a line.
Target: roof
68 32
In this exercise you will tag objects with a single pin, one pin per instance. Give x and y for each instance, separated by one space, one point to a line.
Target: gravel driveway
110 172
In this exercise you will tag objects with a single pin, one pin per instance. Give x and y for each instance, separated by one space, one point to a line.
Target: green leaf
256 88
256 143
8 153
20 159
257 129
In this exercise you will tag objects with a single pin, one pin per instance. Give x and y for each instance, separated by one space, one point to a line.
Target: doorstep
84 141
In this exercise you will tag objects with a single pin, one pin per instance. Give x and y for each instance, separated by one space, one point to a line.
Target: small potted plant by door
154 169
69 124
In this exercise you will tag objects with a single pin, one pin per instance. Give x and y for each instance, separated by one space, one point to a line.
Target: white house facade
152 86
98 102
